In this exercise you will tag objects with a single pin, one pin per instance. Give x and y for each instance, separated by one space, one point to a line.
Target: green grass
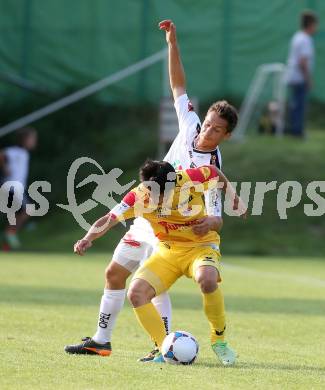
275 310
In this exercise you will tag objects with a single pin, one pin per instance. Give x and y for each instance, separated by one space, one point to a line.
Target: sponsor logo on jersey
176 226
163 212
188 212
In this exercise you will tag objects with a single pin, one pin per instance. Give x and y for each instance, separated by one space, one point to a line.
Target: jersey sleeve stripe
202 174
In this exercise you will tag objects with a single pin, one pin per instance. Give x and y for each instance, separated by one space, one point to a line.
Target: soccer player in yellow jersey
197 144
172 202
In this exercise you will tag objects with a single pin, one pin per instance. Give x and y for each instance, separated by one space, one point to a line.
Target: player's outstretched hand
170 28
81 246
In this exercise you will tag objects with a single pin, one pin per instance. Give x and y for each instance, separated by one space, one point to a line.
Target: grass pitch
276 322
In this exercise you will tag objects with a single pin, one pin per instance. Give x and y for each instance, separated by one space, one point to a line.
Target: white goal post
262 74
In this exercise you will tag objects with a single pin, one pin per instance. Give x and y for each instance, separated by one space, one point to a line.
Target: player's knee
116 276
140 293
137 296
207 278
207 285
114 281
134 296
110 275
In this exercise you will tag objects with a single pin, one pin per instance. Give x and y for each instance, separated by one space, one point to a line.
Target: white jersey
301 46
17 161
183 155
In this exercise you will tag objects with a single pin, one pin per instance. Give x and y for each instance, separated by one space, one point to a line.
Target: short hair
24 133
157 171
227 112
308 18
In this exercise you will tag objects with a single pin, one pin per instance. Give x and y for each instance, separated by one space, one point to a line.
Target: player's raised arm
208 173
238 205
175 66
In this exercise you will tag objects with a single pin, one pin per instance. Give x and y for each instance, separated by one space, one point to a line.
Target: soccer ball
180 348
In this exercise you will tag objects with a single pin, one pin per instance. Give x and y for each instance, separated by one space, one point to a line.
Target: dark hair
227 112
157 171
308 18
24 133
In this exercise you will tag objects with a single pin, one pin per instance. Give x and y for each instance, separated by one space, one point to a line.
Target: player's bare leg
112 301
111 304
213 303
116 277
12 230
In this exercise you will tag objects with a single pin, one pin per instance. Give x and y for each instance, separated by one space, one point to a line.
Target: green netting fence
62 44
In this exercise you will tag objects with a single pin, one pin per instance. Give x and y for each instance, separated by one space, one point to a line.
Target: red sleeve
126 204
129 198
202 174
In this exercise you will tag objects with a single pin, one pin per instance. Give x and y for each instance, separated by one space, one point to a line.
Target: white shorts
130 253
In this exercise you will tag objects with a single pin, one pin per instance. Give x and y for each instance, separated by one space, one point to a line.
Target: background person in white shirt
14 167
299 73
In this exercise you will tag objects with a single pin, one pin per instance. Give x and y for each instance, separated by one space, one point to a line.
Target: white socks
112 303
110 306
164 307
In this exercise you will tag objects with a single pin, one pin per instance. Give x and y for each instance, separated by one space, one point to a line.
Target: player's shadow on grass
182 301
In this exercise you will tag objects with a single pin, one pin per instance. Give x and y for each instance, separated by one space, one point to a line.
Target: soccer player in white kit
14 165
195 145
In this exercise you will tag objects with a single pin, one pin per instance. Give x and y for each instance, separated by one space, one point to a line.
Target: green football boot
158 358
155 357
225 354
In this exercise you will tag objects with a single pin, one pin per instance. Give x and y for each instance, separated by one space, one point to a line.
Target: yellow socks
151 321
214 309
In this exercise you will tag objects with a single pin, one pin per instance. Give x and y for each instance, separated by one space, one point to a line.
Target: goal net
263 108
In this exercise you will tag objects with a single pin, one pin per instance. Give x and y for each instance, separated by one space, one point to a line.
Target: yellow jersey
183 206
